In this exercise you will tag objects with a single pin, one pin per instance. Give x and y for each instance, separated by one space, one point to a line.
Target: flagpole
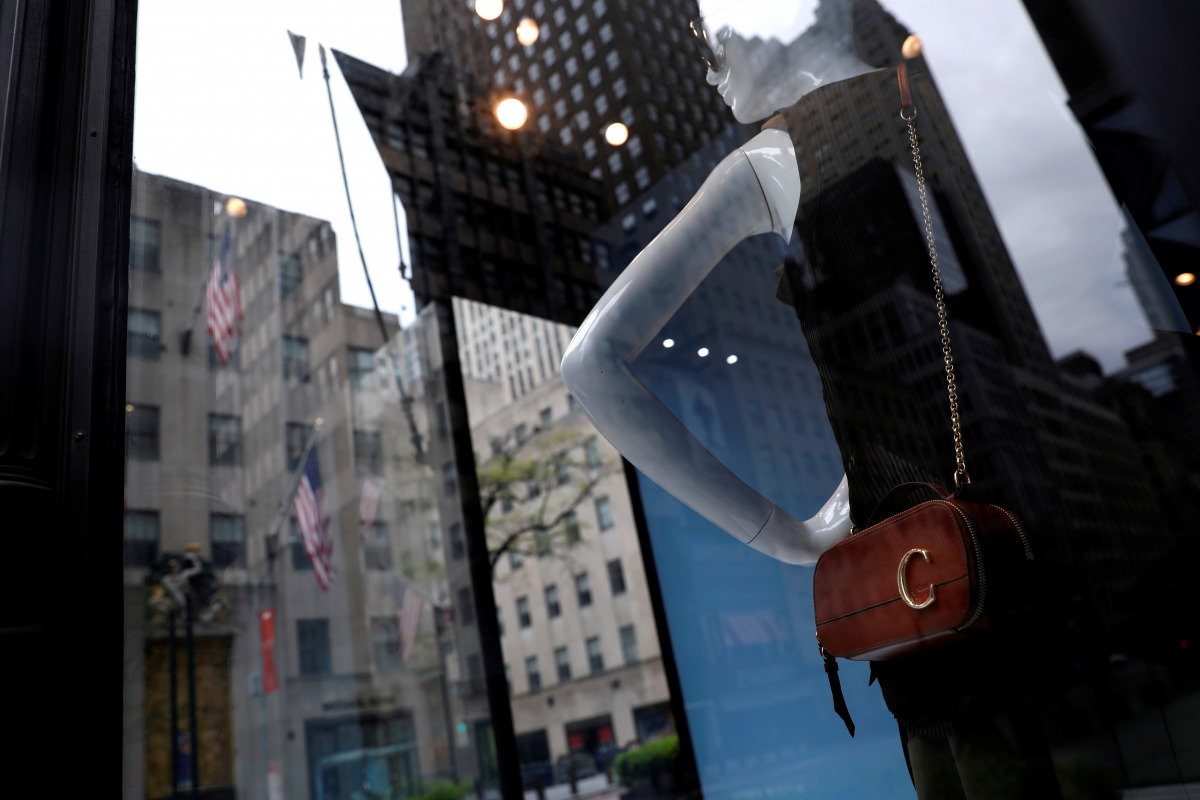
293 484
272 544
185 338
405 400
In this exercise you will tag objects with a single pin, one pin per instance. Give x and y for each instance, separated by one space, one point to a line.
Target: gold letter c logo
903 584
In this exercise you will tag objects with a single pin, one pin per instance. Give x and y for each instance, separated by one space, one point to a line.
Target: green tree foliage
651 764
530 487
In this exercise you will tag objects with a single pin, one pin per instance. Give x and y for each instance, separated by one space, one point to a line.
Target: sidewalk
596 787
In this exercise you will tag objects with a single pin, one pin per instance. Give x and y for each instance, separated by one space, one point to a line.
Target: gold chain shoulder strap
908 113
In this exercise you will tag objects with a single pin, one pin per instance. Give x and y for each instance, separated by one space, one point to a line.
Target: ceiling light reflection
511 113
1185 279
489 9
527 31
702 352
616 134
668 342
731 360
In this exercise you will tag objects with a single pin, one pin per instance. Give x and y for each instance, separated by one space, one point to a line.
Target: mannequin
754 190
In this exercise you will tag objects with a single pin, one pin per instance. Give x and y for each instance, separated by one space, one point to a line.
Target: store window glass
257 424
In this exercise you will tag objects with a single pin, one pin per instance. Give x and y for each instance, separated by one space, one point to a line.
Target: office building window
553 607
642 178
291 273
227 534
300 560
532 673
361 366
604 514
295 436
312 646
144 338
616 576
524 618
562 662
385 643
591 453
368 452
224 440
595 657
377 549
465 609
141 433
583 590
629 645
458 542
515 559
142 533
145 238
450 477
571 527
295 358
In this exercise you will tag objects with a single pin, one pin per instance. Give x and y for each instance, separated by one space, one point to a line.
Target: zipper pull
835 687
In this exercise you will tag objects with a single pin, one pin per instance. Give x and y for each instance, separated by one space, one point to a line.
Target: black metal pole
191 680
173 690
452 748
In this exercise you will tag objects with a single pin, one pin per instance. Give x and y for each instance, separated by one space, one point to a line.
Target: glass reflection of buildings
1043 440
580 643
211 447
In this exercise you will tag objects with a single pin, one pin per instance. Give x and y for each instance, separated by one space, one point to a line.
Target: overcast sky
220 104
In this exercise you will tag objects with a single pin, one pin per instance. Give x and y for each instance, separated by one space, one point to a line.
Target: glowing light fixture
668 343
911 47
527 31
511 113
129 408
1185 279
235 207
616 134
702 352
489 9
731 360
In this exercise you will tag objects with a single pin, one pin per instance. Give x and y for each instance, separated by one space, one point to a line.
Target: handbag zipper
978 560
1020 530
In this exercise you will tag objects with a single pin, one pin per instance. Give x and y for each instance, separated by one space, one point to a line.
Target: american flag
408 617
224 299
309 506
368 506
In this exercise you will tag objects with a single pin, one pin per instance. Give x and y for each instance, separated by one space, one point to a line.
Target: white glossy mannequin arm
756 189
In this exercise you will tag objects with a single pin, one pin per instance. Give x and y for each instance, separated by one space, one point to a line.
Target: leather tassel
835 688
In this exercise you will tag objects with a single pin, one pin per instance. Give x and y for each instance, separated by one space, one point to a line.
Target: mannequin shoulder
773 157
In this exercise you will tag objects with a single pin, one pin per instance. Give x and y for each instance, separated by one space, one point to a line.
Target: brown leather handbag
930 576
935 574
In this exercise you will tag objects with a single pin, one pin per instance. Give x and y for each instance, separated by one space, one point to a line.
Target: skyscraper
594 62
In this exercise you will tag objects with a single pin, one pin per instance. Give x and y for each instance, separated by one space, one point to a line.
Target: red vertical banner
266 632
